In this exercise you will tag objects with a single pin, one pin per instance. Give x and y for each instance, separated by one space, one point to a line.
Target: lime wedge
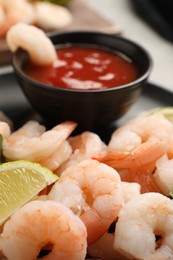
21 181
167 112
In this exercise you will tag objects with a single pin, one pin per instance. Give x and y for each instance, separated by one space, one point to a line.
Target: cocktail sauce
84 68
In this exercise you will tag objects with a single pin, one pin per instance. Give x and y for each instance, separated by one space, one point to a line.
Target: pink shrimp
84 146
16 11
34 41
163 175
32 142
59 157
93 191
137 145
103 249
153 135
141 220
44 224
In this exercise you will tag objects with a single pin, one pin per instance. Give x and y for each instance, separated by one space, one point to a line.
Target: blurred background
150 24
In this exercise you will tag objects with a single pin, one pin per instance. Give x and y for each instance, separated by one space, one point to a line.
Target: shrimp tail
115 160
93 226
135 159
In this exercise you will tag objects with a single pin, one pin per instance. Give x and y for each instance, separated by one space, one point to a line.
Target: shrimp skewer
93 191
41 224
139 222
33 40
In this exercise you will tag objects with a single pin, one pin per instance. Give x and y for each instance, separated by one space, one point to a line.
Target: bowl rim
47 87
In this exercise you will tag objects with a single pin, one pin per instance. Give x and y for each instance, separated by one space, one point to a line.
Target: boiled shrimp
142 177
44 224
93 191
145 178
141 141
84 146
103 249
130 190
34 41
140 222
58 158
163 174
32 142
16 11
2 16
136 146
50 16
5 130
170 148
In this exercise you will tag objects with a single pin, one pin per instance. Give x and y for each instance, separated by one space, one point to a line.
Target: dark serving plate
14 104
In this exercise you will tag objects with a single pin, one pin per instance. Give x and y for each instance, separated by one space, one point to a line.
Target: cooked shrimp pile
111 201
47 16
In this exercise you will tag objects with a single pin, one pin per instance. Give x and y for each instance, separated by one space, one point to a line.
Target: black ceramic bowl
91 109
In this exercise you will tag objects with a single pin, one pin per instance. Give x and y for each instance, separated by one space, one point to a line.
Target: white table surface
133 27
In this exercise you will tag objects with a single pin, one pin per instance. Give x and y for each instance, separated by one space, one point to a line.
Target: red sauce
84 68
